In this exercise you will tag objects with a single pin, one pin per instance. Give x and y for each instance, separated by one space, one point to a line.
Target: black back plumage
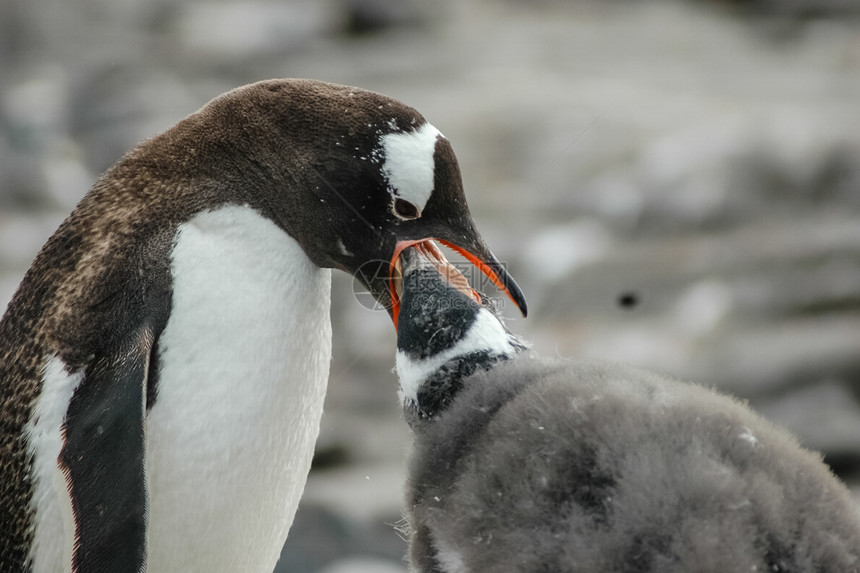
92 313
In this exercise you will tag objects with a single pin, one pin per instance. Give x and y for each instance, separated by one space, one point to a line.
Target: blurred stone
22 183
368 490
231 31
798 8
320 538
770 267
729 171
362 17
824 416
563 250
365 565
755 360
114 107
22 236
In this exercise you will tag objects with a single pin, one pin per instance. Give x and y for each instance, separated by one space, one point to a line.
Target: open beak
479 256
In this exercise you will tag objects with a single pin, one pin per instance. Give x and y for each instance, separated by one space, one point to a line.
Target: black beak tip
516 294
520 300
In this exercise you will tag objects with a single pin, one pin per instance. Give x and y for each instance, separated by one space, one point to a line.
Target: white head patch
409 165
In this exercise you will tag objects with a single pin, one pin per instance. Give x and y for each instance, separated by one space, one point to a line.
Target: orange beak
491 268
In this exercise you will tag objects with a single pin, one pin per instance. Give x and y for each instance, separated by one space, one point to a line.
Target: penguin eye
405 210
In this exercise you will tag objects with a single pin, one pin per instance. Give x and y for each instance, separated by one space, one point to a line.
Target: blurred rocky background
674 184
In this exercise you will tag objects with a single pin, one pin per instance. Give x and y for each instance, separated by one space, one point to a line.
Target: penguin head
446 332
352 175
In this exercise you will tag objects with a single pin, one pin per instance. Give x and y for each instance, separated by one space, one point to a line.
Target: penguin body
247 408
527 464
164 361
229 440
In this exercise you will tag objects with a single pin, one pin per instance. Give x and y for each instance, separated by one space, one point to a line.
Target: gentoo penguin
527 465
163 363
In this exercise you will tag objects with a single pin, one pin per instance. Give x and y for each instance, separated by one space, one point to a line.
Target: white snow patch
343 250
748 436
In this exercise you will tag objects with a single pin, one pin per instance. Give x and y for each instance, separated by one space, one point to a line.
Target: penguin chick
525 464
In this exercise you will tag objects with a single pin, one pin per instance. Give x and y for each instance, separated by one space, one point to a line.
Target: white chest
244 364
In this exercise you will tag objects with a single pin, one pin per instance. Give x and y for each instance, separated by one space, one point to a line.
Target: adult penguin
164 361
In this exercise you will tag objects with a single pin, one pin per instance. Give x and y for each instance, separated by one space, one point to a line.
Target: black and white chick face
445 332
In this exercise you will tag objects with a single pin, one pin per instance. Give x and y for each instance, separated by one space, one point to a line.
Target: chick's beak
477 253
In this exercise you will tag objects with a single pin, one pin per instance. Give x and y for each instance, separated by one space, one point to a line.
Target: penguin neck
430 383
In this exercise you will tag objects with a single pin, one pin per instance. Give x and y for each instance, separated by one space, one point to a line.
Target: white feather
244 363
409 165
53 525
449 558
485 334
53 534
